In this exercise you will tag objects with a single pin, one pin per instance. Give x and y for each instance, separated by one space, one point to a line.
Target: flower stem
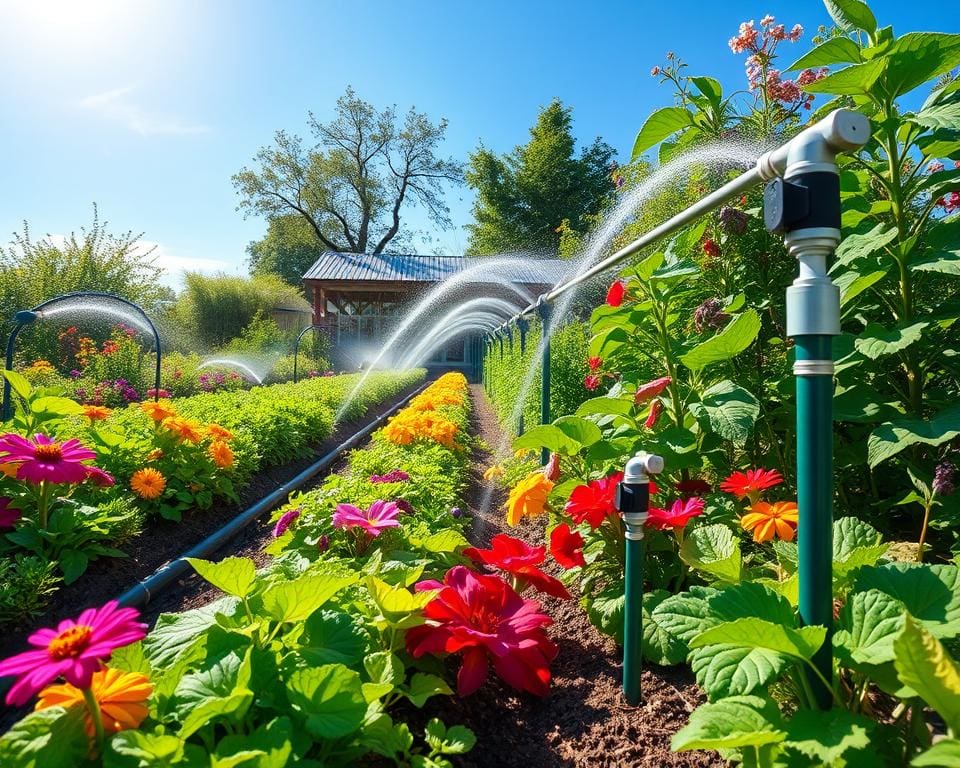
928 505
44 503
93 707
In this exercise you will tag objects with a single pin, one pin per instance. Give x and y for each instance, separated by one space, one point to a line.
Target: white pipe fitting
816 148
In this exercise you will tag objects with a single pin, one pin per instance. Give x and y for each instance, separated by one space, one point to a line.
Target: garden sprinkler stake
633 501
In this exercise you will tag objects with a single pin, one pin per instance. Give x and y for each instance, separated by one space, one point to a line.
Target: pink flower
552 469
284 522
393 476
778 32
677 516
100 478
382 514
656 408
935 167
43 459
75 649
655 71
766 21
746 38
8 515
651 389
795 33
591 381
566 546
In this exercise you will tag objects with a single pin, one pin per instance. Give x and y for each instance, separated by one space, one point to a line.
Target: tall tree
288 249
524 198
353 184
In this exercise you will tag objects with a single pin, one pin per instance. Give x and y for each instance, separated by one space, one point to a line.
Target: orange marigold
147 483
219 433
122 697
528 497
767 521
96 412
221 454
185 429
158 411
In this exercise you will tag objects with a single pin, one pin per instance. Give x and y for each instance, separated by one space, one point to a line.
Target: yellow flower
522 453
185 429
767 521
495 471
122 697
528 497
96 412
219 433
221 454
158 411
147 483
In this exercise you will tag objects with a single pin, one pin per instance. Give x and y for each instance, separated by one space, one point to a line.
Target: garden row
309 661
80 481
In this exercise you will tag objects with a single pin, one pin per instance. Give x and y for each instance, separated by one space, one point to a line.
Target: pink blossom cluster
951 201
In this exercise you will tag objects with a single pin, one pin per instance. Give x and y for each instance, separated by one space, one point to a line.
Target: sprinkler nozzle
27 316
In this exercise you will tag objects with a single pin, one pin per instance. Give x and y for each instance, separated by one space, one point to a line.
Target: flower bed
90 476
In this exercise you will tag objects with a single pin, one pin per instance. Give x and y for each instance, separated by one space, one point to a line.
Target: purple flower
284 522
75 374
324 543
404 506
394 476
709 315
456 512
8 515
733 220
944 479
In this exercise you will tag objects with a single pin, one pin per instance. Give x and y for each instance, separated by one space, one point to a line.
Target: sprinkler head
640 466
26 317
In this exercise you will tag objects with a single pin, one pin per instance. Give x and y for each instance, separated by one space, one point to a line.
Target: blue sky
147 107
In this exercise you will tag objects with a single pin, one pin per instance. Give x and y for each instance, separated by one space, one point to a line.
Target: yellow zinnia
122 697
767 521
158 411
495 471
528 497
221 454
147 483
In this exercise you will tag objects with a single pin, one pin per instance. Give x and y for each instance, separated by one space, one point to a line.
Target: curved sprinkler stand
296 347
802 201
633 503
142 593
30 316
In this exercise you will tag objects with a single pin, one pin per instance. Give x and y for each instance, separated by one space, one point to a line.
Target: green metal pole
815 498
522 327
544 310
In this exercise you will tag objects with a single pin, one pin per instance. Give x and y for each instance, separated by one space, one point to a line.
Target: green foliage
288 250
527 198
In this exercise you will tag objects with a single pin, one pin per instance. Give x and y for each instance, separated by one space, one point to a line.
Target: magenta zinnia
380 515
75 649
484 619
284 522
43 459
679 514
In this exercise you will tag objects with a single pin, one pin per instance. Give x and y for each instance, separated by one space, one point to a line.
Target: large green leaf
732 670
332 637
943 754
714 550
48 738
686 614
661 124
851 533
942 114
855 80
942 262
836 50
218 690
331 699
730 410
875 341
660 646
604 406
739 721
825 736
869 623
924 664
137 749
605 610
857 247
550 437
890 438
295 600
584 432
916 57
400 607
234 575
175 633
738 334
931 593
751 632
271 743
852 14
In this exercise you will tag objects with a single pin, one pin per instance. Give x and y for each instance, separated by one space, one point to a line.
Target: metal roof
333 265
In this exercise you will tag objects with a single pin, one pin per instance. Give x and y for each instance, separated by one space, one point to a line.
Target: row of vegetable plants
315 659
80 481
691 360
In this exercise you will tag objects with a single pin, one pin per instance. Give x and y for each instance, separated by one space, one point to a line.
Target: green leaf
175 633
851 533
687 614
270 743
660 646
732 670
738 721
605 611
825 736
137 749
458 740
661 124
731 411
738 334
385 667
550 437
710 88
291 601
852 14
858 247
931 593
876 341
56 406
836 50
942 262
943 754
890 438
713 550
234 575
604 406
218 690
18 383
332 637
331 699
924 664
396 603
131 658
584 432
916 57
869 623
423 686
447 540
855 282
48 738
752 632
855 80
944 114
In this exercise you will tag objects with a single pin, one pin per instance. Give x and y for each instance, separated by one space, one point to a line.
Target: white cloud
175 264
117 105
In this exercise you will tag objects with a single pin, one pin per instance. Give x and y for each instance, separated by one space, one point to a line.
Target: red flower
484 618
595 363
677 516
520 560
751 482
651 389
594 502
552 470
656 408
615 293
591 381
693 486
566 546
710 248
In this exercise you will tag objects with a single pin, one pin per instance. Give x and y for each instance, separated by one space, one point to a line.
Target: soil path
584 721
